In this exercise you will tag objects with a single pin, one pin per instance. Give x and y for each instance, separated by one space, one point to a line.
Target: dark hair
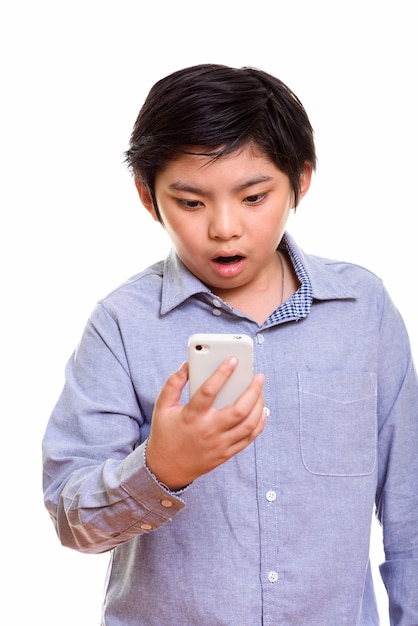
221 109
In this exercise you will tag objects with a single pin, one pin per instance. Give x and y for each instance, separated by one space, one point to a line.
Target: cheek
183 234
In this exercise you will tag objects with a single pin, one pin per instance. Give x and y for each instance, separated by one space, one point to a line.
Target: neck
264 296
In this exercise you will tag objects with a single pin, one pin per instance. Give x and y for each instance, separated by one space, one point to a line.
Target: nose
225 223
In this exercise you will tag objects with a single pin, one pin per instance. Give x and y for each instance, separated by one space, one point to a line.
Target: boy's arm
96 487
397 495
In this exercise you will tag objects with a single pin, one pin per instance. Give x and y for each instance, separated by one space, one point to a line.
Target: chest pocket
338 422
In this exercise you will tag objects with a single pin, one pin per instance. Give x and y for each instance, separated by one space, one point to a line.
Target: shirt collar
179 283
324 274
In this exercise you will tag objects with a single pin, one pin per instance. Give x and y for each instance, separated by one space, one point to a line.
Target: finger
250 400
205 396
244 433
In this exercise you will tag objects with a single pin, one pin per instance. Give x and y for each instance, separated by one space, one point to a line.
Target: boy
260 512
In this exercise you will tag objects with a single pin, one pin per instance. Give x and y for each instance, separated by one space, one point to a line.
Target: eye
255 198
190 205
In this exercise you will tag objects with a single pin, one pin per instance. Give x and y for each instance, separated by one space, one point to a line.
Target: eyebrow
183 186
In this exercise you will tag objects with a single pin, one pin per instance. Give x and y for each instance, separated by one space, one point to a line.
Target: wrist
170 486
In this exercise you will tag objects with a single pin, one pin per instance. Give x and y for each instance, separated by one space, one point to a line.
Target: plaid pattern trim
299 304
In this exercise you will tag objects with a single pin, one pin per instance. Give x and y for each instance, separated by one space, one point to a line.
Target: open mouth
228 260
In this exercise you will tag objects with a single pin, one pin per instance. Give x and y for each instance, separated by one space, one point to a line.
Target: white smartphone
207 351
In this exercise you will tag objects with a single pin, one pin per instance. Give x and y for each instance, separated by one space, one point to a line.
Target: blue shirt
280 533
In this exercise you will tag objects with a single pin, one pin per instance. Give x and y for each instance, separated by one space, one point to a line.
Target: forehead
195 171
249 148
199 158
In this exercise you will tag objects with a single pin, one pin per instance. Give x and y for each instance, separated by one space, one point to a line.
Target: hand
188 441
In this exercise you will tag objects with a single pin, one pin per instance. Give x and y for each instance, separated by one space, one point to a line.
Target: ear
146 198
305 180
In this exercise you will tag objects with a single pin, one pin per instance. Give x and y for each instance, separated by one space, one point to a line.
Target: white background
73 77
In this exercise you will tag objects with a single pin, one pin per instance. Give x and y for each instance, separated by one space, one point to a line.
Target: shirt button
146 526
273 576
166 503
260 339
216 312
216 302
271 495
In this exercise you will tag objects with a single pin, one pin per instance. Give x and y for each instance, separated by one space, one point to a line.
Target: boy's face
226 217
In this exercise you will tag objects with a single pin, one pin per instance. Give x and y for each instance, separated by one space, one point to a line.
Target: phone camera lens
199 347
